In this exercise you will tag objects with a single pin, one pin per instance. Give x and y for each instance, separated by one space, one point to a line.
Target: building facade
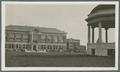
101 17
81 49
35 39
73 46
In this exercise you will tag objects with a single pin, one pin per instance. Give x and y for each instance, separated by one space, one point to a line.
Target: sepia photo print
59 35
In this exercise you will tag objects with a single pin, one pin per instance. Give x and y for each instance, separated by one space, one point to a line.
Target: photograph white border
3 68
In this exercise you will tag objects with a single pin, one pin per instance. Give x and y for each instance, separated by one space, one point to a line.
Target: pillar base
99 40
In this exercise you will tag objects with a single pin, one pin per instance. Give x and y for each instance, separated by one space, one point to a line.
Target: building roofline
31 28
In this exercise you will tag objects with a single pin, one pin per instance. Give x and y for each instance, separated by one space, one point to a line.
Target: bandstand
102 16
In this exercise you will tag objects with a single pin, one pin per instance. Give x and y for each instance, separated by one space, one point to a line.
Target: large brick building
35 39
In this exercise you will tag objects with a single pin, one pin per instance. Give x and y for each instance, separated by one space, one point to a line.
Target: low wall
101 45
100 48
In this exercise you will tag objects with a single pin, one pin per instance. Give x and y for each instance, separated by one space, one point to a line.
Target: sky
69 18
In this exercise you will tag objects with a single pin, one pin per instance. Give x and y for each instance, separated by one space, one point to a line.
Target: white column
100 32
106 33
31 40
37 47
92 34
31 36
88 33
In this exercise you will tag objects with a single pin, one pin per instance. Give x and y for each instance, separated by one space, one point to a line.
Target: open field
12 60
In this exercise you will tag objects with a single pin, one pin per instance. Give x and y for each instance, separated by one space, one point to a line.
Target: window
9 45
64 38
43 38
53 46
36 30
35 41
59 46
24 46
11 35
55 39
56 47
49 38
28 47
60 39
50 47
43 46
17 46
18 37
25 36
39 38
35 37
12 45
11 39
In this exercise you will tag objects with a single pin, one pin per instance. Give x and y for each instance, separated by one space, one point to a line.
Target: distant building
35 39
102 16
73 46
81 49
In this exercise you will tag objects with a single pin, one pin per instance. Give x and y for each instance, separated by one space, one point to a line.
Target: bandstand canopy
104 14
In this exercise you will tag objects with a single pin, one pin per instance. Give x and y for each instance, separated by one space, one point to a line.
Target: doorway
34 48
93 51
111 51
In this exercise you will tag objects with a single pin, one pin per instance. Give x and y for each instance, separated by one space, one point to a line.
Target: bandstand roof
101 7
104 14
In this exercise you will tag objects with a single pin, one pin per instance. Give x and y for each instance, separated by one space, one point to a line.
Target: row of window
16 40
39 47
26 46
48 38
48 41
16 35
28 40
53 47
37 38
17 46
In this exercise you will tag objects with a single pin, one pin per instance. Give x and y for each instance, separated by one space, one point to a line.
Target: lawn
13 60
